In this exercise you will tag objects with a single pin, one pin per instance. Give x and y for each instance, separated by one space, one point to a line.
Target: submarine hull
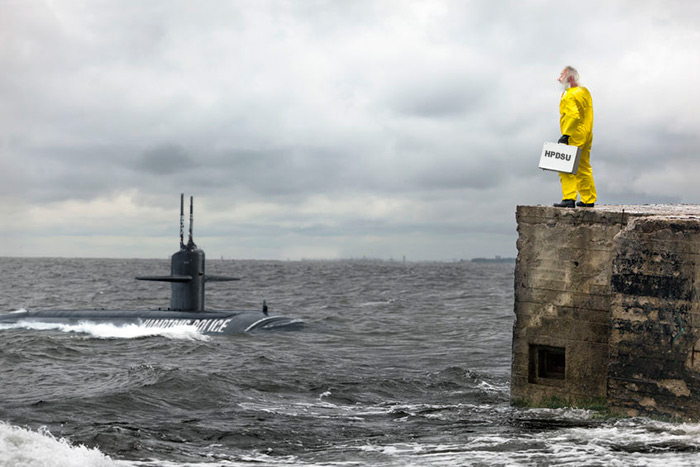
206 322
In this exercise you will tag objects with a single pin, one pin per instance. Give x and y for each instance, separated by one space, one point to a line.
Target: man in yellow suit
576 122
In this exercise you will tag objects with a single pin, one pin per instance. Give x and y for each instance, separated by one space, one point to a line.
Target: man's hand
564 139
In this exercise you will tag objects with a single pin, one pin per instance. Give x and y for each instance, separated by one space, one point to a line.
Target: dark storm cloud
166 159
436 97
57 173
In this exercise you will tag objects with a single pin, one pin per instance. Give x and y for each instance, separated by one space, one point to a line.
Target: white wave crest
21 447
111 331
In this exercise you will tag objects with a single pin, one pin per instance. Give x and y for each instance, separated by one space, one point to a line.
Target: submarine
187 283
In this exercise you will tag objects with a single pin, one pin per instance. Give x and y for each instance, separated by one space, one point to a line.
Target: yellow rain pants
576 110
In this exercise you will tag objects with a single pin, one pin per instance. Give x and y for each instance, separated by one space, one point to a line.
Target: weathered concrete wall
654 340
606 308
562 301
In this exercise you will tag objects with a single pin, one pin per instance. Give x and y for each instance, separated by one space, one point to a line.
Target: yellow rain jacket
576 110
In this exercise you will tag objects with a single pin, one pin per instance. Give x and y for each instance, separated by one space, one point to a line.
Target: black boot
581 204
566 203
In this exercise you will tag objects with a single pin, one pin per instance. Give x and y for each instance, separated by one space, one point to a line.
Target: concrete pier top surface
682 210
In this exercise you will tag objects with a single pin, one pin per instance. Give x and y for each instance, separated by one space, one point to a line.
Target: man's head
569 78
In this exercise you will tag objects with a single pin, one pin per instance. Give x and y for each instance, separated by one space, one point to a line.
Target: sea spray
21 447
111 331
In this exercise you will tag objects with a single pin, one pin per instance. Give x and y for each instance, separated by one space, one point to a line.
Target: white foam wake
21 447
111 331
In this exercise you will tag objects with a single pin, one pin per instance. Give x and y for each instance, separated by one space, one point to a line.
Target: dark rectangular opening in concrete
547 364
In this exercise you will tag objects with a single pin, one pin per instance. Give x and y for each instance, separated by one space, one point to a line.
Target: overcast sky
328 129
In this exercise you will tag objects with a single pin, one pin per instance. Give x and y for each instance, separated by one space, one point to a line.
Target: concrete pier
607 308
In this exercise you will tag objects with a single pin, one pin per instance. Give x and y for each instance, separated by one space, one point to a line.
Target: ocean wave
111 331
22 447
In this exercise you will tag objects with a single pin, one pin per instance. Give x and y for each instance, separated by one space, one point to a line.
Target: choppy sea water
399 364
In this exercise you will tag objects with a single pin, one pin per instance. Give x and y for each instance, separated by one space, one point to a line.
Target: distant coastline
496 259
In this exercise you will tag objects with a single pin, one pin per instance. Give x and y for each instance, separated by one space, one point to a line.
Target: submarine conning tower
187 275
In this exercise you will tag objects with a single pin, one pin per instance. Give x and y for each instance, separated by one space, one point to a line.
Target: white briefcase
560 157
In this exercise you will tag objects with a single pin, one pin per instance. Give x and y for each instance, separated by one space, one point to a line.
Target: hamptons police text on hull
202 325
